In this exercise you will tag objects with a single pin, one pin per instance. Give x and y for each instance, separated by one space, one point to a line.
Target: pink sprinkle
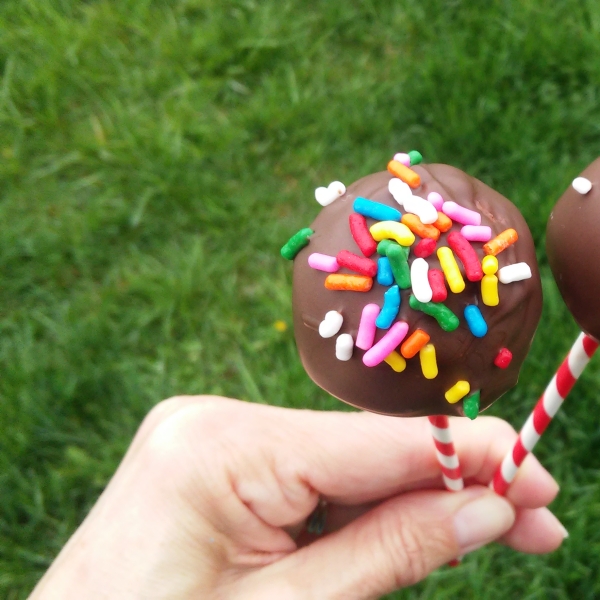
477 233
436 199
367 327
461 214
386 344
402 158
323 262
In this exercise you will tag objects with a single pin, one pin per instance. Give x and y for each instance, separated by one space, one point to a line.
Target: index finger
355 458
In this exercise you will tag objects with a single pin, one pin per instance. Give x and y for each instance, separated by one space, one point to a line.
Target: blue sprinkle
475 321
391 305
384 271
376 210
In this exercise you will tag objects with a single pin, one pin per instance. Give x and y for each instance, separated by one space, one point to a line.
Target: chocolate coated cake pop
573 248
453 353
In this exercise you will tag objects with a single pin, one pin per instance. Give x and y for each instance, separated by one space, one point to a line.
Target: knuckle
181 425
165 409
167 443
162 410
160 413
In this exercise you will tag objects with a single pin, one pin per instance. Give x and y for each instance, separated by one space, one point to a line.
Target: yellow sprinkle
397 362
280 326
489 290
392 230
458 391
450 267
428 361
489 265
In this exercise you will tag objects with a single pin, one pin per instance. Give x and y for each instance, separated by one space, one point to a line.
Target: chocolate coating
460 355
573 248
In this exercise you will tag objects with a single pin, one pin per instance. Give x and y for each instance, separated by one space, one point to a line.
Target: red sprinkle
467 256
503 358
361 234
364 266
425 248
437 284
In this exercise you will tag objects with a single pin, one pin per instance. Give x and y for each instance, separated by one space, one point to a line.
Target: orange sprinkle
417 340
350 283
443 223
501 242
404 173
418 228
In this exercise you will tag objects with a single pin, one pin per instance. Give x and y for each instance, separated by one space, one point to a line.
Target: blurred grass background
154 156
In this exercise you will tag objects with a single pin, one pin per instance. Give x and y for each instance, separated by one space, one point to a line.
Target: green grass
155 155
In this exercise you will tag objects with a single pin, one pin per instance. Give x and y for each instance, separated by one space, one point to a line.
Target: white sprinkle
326 195
582 185
344 346
419 281
399 190
337 187
422 208
323 196
516 272
331 324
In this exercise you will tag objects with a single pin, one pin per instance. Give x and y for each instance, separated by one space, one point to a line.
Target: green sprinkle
296 243
383 246
446 319
398 257
415 157
471 405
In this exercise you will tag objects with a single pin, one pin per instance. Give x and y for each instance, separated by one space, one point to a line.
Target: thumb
396 544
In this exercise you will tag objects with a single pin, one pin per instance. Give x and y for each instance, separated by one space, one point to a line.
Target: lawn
154 156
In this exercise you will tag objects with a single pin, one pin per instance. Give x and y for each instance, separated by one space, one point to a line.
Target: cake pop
573 248
574 256
416 292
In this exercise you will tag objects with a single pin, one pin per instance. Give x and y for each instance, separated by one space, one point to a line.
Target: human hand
212 497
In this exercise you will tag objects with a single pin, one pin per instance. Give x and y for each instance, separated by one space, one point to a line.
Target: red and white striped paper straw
444 450
559 387
448 460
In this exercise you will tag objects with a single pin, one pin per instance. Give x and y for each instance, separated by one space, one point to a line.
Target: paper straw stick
448 459
444 450
559 387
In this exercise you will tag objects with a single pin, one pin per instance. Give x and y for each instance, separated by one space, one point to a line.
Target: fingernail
481 521
564 531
